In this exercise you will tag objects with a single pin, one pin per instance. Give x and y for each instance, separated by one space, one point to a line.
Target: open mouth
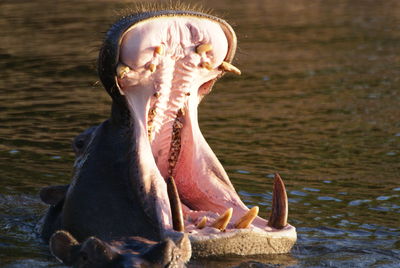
166 66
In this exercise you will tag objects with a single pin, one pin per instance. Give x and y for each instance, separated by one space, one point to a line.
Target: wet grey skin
112 214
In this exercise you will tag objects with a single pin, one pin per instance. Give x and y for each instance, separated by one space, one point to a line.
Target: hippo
147 189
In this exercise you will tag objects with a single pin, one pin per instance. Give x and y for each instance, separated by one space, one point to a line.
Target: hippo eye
79 144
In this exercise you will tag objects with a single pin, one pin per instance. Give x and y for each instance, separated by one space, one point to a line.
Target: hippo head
148 171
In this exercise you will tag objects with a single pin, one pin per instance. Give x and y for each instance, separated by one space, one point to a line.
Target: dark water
318 101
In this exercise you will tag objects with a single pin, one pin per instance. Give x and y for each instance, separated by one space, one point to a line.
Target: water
318 102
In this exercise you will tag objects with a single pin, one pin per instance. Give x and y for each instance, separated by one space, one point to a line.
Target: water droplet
243 171
396 189
13 151
391 153
327 181
56 157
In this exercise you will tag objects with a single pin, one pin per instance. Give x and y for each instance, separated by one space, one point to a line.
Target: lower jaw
257 239
197 193
240 242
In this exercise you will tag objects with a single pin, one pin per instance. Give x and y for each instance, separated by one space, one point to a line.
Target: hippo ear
64 247
97 252
52 195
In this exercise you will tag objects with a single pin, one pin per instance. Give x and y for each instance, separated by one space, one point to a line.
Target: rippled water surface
318 102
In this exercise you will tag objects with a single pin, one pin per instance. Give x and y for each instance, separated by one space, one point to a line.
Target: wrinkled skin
127 252
146 176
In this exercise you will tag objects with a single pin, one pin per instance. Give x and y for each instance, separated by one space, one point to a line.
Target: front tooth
223 220
202 223
247 219
176 206
279 213
122 70
227 67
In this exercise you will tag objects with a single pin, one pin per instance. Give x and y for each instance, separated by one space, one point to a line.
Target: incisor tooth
227 67
203 48
247 219
279 213
202 223
223 220
122 69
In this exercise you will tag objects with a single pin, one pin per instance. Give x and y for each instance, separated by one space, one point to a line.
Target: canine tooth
176 207
152 67
227 67
223 220
202 223
279 213
247 219
159 50
122 69
203 48
157 94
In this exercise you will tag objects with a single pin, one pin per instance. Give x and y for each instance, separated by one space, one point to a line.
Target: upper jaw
109 55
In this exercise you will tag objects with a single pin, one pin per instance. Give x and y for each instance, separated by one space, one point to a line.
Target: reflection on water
318 101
